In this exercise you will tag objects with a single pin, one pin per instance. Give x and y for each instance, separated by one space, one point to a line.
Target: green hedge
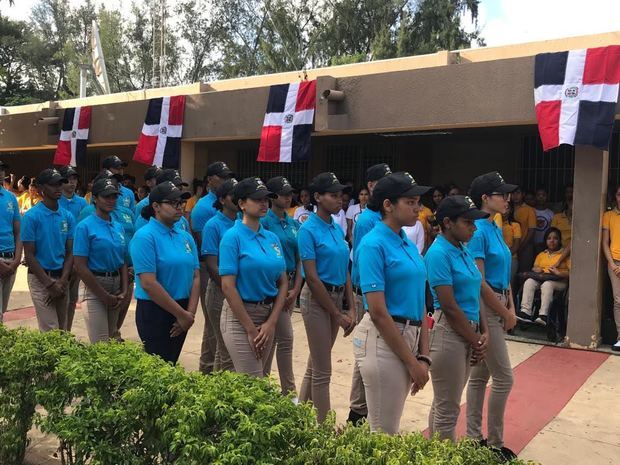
112 404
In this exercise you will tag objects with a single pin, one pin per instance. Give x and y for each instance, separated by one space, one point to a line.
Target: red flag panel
145 151
548 116
306 96
602 65
62 156
270 144
84 121
177 106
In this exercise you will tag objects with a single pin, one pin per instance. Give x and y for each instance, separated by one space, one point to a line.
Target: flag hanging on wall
160 140
288 123
575 94
71 148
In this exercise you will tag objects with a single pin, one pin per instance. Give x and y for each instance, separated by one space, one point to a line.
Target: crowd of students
423 278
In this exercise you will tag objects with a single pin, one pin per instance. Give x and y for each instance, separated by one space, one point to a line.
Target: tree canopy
214 39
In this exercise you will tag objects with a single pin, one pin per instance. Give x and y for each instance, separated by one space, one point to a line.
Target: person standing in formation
10 242
254 281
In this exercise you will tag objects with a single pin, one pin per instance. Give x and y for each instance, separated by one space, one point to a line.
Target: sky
501 22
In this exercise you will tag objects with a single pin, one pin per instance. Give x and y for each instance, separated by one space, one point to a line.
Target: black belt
265 301
503 292
358 291
7 254
50 273
333 288
400 319
106 274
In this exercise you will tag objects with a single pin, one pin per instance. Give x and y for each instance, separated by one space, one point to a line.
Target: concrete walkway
584 431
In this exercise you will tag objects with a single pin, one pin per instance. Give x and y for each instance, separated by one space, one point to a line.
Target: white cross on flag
71 148
160 141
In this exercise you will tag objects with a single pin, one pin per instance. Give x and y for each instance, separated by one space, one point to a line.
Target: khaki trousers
284 354
615 287
6 286
50 314
214 301
386 379
321 330
357 397
496 365
449 373
101 321
236 339
547 289
209 341
74 286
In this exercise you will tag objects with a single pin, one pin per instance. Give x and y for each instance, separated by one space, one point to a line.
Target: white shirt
301 214
543 222
353 213
415 234
341 220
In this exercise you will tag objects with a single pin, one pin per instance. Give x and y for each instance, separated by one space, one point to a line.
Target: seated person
545 276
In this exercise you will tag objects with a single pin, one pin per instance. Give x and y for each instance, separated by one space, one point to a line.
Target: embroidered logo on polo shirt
121 237
188 247
64 226
277 250
9 207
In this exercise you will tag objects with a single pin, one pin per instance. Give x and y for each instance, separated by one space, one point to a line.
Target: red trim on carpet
19 314
544 384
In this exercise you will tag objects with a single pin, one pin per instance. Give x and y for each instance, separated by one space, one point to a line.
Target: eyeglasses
175 203
505 196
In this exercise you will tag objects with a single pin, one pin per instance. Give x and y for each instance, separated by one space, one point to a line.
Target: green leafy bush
27 363
112 404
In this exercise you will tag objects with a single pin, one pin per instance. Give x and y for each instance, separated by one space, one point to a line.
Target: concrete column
587 271
188 155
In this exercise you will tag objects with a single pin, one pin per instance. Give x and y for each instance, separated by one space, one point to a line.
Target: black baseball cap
105 187
327 182
67 171
167 191
251 188
221 169
226 188
459 206
113 162
376 172
50 176
151 172
170 175
489 183
280 185
397 185
105 174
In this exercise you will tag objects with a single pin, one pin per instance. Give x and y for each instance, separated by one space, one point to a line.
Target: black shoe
541 320
616 347
507 454
356 418
522 316
483 443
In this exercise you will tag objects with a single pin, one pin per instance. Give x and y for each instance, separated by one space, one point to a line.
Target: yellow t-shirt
191 202
88 197
28 203
499 221
511 231
546 260
425 212
611 222
291 211
563 223
526 216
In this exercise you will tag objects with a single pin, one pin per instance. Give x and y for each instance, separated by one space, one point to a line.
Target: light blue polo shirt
122 216
103 242
127 198
448 265
213 232
74 205
167 252
367 220
9 213
140 206
203 211
488 245
181 225
286 229
49 230
390 263
324 243
255 258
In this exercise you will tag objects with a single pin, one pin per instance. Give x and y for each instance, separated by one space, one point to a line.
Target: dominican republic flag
575 95
71 148
288 123
160 141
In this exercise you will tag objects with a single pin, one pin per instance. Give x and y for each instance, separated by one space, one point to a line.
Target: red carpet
20 314
544 384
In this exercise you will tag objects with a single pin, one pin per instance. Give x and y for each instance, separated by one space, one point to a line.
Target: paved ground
585 430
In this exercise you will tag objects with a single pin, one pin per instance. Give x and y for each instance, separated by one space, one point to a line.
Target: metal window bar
296 173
